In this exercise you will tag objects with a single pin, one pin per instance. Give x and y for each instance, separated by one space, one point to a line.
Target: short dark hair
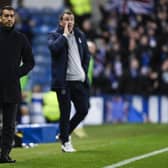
6 8
67 11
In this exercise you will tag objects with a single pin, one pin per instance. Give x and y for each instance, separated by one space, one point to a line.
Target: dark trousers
79 95
9 111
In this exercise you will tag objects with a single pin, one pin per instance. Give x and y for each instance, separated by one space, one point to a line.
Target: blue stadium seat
45 20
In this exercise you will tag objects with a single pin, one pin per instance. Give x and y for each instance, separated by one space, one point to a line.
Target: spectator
36 109
23 116
82 9
163 78
51 107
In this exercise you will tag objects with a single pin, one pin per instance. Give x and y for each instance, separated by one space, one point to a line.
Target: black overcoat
16 60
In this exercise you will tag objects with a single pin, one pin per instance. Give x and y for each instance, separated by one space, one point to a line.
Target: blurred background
128 42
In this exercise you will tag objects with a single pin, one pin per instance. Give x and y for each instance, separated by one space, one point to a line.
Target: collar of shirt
71 34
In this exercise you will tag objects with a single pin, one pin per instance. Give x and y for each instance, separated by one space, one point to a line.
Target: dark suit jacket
59 50
14 49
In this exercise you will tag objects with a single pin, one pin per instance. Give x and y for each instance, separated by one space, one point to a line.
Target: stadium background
130 72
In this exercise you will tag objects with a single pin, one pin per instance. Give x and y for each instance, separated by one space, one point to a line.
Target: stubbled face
68 19
7 18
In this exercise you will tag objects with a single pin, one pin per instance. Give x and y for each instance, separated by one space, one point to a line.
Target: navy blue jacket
58 46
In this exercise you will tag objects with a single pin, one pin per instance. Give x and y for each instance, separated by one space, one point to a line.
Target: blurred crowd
132 50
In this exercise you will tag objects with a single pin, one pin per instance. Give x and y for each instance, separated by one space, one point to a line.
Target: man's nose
9 18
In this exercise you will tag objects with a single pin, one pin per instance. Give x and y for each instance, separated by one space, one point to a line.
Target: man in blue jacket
70 59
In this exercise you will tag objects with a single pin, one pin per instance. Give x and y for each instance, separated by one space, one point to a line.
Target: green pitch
105 145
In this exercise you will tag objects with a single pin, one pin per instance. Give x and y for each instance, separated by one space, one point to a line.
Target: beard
7 28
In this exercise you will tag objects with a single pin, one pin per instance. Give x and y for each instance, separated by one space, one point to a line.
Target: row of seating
43 21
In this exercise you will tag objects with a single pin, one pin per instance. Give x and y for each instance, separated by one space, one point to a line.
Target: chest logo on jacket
80 41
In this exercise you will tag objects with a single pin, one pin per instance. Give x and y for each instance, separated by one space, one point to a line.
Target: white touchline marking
127 161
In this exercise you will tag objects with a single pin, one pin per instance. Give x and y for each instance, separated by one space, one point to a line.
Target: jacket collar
60 29
5 29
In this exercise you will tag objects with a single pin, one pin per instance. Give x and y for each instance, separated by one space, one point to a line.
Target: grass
104 146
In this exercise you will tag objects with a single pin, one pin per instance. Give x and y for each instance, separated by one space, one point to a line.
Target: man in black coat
70 59
16 60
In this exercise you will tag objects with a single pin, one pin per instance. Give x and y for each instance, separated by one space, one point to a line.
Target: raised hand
66 30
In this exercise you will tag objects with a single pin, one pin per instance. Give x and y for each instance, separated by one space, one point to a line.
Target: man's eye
9 15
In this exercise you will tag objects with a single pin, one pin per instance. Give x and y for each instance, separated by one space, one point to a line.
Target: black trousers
79 95
9 111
